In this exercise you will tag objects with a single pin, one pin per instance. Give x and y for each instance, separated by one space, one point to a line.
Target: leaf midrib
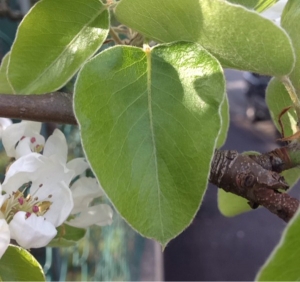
149 94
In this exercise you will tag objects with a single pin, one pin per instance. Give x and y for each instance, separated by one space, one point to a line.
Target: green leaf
290 21
258 5
238 37
5 87
283 263
17 264
149 123
277 99
54 39
67 236
225 123
231 205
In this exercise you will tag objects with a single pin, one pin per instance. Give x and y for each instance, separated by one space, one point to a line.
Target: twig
52 107
254 177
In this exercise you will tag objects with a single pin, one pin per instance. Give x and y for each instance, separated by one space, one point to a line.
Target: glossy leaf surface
17 264
54 39
238 37
149 122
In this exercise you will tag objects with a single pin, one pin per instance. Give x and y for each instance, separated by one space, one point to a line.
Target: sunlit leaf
238 37
54 39
17 264
149 121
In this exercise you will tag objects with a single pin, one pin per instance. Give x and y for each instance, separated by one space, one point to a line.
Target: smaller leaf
17 264
67 236
283 263
231 205
54 39
5 87
277 99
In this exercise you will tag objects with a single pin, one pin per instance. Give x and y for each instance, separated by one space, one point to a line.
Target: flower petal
84 190
79 165
56 144
13 134
31 232
4 236
4 123
100 215
62 204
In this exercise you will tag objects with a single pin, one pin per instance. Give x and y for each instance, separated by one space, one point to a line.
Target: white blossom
22 138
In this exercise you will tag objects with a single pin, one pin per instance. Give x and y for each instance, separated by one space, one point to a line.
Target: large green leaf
283 263
238 37
54 39
19 265
277 99
5 87
149 123
290 21
258 5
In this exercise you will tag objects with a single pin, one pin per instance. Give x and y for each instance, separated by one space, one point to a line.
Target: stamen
35 209
32 139
21 200
41 185
28 214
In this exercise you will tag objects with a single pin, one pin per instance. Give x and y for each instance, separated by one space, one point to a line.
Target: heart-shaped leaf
17 264
54 39
149 123
238 37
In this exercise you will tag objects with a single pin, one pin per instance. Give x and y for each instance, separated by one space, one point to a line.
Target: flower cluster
42 190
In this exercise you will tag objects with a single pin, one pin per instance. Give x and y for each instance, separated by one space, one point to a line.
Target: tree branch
52 107
253 177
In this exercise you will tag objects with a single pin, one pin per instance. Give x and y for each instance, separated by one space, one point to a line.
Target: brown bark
244 176
254 177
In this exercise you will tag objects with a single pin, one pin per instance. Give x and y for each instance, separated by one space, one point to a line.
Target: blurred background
212 248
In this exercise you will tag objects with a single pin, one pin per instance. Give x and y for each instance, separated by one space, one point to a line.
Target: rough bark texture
254 177
247 177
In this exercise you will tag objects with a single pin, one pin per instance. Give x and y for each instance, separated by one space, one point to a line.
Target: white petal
4 236
79 165
56 144
62 204
84 190
100 215
36 168
12 134
4 123
33 232
47 177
